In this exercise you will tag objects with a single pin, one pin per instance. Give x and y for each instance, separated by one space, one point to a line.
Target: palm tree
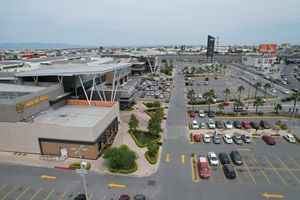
226 91
221 106
237 104
240 89
295 96
278 107
208 97
267 86
257 85
256 103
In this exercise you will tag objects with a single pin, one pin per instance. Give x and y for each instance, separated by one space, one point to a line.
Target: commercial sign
210 46
21 106
267 48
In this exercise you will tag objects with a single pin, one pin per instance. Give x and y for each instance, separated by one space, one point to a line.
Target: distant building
259 61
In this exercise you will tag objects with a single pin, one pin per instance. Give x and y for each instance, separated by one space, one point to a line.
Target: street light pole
78 151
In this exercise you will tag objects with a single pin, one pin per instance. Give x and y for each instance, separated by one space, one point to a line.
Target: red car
197 138
246 125
203 168
124 197
268 139
225 103
192 114
264 124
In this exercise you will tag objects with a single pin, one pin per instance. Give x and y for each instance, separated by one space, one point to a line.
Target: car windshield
213 158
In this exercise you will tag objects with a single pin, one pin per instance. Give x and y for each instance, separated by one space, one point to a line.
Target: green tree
154 123
221 106
152 149
256 103
257 85
191 93
266 87
240 89
226 91
156 104
120 157
208 97
277 107
133 122
236 105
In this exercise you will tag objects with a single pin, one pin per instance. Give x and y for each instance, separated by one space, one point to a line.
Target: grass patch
151 112
77 165
142 138
152 160
281 125
124 171
297 138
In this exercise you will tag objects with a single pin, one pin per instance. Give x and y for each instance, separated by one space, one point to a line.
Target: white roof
73 70
5 87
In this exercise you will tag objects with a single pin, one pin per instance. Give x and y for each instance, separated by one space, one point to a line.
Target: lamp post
78 150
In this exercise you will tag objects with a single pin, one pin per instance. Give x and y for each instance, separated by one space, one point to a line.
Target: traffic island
195 174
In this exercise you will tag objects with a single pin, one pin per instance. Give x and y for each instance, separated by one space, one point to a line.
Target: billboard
267 48
210 46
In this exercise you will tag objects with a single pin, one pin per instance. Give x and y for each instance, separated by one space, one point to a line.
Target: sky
150 22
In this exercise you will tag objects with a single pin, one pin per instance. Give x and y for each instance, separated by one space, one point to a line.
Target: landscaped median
143 138
195 173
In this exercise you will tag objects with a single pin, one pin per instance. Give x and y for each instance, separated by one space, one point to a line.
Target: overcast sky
150 22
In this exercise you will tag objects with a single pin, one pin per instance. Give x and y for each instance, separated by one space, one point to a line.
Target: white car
211 124
227 139
212 158
285 91
290 138
228 124
195 125
206 138
200 96
205 82
202 125
201 113
273 90
161 96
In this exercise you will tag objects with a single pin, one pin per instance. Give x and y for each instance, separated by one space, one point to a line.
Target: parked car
206 138
203 167
212 158
124 197
201 113
80 197
192 114
228 124
237 124
264 124
195 124
286 99
211 114
246 124
229 171
197 137
246 138
211 124
269 139
219 125
254 125
202 125
224 158
139 197
290 138
236 157
227 139
216 138
237 139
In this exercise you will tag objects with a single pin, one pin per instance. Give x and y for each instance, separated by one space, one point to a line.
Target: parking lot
263 164
220 84
158 88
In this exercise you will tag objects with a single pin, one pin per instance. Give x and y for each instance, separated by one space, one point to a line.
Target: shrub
244 113
297 138
142 138
231 113
284 127
260 113
77 165
152 160
220 113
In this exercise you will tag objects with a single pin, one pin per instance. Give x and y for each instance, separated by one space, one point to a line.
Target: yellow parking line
36 193
237 175
63 195
3 186
275 171
294 161
249 172
168 159
50 193
222 173
291 173
7 194
23 192
262 171
182 158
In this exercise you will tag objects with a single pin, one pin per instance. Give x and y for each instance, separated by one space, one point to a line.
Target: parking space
200 86
20 192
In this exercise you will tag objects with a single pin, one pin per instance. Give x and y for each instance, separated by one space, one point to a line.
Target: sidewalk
100 165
